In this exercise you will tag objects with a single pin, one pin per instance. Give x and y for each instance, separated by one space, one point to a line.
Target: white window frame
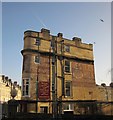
24 87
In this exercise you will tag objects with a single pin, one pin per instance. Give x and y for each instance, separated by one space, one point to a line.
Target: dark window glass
25 90
37 42
68 88
67 66
37 59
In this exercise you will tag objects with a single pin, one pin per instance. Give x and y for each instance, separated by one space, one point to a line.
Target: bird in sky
94 42
101 20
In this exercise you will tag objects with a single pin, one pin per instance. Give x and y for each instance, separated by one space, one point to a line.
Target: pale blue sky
0 37
56 0
72 19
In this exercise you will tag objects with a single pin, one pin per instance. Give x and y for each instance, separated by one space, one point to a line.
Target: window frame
67 48
70 89
37 41
42 109
24 84
67 68
38 57
68 106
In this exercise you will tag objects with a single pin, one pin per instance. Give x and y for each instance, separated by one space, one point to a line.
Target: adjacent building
6 85
56 68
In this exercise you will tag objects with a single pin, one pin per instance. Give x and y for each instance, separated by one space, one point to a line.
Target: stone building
56 68
6 85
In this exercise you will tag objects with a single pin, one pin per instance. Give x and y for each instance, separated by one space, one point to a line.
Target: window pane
25 85
27 81
67 69
68 88
26 93
37 59
67 66
37 41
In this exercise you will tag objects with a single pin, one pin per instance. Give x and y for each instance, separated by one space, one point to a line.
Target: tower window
37 59
67 48
25 87
67 66
37 42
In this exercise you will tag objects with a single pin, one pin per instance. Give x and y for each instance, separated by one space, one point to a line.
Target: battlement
77 47
8 82
45 34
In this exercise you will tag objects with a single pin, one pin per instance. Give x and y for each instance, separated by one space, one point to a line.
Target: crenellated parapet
77 49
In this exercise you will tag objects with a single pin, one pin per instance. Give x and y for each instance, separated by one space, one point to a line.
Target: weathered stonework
81 74
6 86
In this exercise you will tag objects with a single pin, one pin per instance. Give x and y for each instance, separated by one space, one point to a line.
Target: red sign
44 90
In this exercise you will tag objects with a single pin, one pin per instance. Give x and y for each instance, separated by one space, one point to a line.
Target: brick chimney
3 77
76 39
45 33
6 78
60 35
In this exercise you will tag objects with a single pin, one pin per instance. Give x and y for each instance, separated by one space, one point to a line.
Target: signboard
44 90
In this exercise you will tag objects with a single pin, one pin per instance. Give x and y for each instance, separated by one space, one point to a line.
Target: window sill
68 73
26 96
69 97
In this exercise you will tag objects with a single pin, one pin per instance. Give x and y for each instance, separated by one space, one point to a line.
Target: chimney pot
77 39
3 77
6 78
45 33
60 35
43 30
15 83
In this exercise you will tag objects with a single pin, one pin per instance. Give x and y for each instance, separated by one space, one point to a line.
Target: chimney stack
45 33
60 35
15 83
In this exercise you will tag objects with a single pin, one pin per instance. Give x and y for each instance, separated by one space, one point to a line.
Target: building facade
6 85
56 68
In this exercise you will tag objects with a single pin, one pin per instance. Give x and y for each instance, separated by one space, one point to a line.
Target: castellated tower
55 67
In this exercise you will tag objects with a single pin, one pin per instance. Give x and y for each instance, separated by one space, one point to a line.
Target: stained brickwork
83 74
44 69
